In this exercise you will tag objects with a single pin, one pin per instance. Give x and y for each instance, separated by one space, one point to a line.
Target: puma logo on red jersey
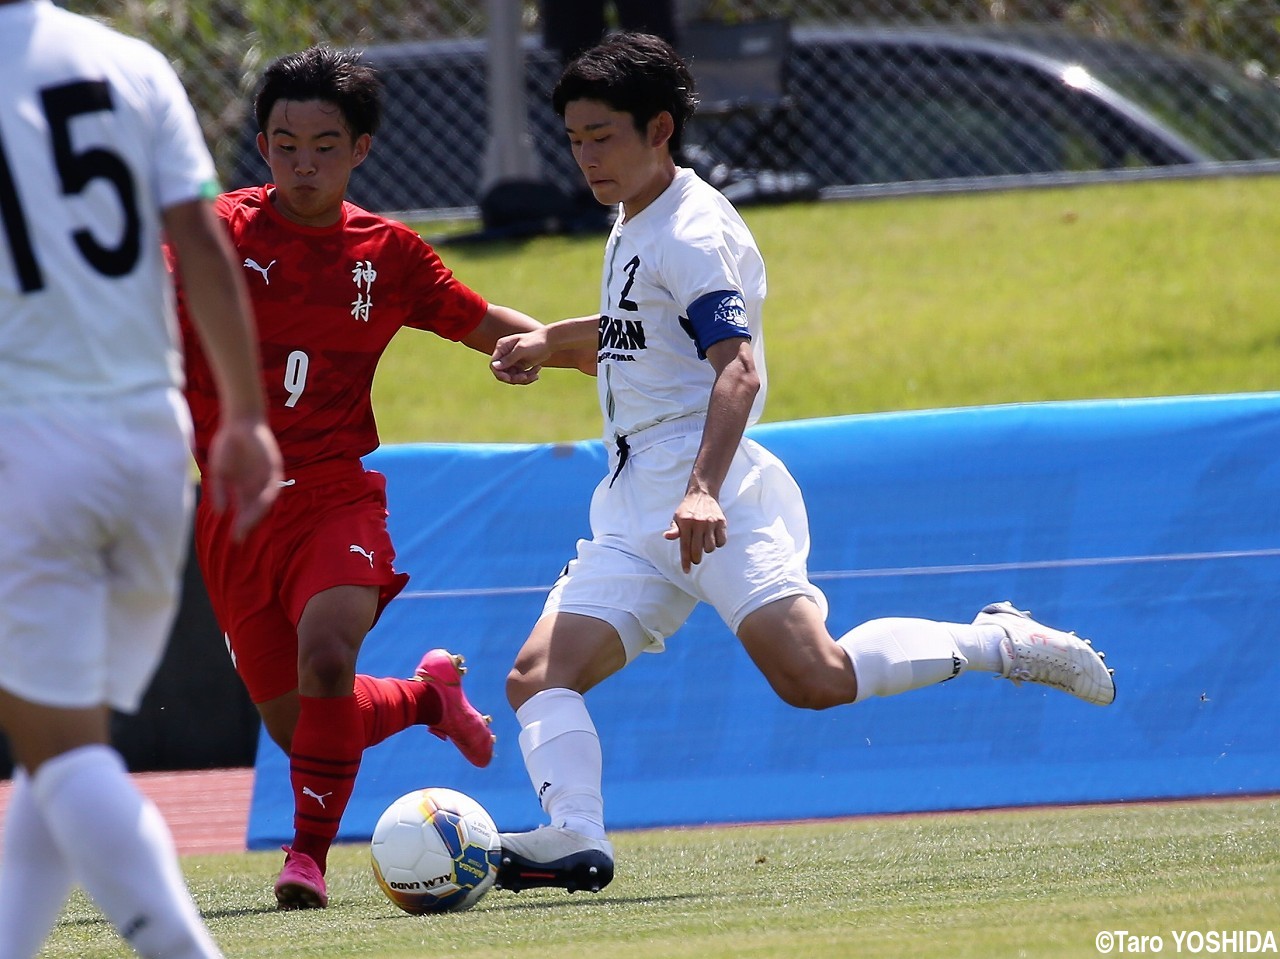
252 264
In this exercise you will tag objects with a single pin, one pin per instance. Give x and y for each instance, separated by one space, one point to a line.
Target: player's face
311 154
620 163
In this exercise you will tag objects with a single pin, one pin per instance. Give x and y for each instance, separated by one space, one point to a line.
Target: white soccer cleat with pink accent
1034 653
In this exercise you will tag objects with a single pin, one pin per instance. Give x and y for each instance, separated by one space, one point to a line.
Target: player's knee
812 689
327 667
521 687
806 696
528 676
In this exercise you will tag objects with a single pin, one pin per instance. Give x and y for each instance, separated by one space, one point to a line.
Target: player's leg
325 737
242 580
433 697
347 544
35 878
280 719
611 603
328 739
788 641
608 607
126 862
339 714
337 576
884 657
565 655
759 584
86 625
323 716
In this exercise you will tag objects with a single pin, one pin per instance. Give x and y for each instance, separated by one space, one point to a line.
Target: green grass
1038 883
1126 290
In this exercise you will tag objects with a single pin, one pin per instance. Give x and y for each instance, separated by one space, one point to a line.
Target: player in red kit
331 285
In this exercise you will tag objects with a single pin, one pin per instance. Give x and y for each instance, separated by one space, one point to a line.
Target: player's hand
244 472
700 526
517 359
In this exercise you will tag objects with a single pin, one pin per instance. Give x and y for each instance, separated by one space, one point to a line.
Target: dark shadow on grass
263 910
513 901
586 901
91 922
88 922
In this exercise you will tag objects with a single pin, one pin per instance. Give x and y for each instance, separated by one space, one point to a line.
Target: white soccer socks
35 879
562 755
894 655
121 851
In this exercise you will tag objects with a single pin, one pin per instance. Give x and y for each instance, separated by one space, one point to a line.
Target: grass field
1035 883
1136 289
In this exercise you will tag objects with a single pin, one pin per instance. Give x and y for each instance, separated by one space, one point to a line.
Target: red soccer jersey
327 301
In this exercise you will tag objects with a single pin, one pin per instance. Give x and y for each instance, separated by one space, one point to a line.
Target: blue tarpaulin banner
1151 526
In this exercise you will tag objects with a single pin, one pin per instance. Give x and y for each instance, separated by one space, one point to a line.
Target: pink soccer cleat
459 720
301 885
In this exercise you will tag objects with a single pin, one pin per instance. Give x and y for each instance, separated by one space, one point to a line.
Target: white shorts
629 574
95 503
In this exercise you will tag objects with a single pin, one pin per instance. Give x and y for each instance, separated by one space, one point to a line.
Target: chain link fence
868 91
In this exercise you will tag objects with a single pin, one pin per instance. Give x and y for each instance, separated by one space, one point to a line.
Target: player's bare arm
699 522
500 322
244 469
503 322
569 343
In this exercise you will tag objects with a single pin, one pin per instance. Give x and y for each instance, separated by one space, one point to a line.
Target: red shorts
327 528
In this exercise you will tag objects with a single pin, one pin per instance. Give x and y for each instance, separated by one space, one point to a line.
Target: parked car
881 105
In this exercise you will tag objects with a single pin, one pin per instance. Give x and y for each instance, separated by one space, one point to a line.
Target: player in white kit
99 151
692 511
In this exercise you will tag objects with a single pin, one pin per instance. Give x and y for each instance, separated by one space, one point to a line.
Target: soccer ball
435 850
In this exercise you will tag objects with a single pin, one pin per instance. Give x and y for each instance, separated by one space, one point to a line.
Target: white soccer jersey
687 243
96 137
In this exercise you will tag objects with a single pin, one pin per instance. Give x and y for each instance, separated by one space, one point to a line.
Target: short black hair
323 73
636 73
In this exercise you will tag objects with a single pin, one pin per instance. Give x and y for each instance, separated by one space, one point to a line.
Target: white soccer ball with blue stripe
435 850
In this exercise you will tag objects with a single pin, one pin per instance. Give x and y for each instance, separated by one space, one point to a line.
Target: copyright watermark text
1187 942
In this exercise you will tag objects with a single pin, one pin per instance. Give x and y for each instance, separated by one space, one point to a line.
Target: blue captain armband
714 317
